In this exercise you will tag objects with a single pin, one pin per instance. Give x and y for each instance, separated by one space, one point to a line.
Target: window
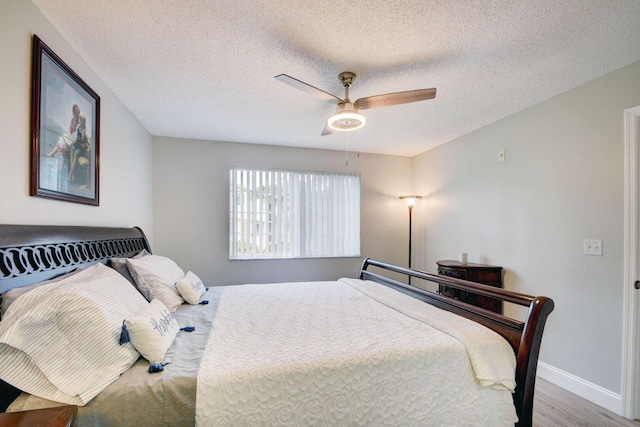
284 214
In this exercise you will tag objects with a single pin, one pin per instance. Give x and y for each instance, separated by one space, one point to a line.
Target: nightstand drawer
479 273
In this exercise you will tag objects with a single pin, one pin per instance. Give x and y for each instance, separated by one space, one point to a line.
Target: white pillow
156 278
191 288
120 265
152 330
11 295
61 341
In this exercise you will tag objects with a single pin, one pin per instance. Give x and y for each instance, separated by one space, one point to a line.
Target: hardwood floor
555 407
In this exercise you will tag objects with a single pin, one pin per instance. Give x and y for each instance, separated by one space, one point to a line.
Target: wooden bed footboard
524 337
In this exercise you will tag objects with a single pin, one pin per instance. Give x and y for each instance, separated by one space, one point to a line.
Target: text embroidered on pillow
197 285
163 323
152 330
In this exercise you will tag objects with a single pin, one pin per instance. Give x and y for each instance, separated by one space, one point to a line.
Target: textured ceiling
204 69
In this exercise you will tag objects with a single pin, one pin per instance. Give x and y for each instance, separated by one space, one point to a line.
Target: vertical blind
285 214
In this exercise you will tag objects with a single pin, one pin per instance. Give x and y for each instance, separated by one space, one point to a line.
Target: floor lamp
410 202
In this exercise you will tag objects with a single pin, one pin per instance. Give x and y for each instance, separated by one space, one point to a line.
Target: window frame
301 252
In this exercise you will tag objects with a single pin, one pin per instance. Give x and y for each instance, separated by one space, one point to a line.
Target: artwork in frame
65 131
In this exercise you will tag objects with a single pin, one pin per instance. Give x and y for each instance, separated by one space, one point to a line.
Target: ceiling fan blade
312 90
396 98
326 131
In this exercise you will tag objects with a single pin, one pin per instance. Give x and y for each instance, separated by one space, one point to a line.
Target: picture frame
65 131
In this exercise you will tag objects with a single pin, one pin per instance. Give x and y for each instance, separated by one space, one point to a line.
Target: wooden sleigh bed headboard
30 254
524 337
34 253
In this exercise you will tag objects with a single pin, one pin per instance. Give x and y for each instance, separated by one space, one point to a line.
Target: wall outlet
501 156
593 247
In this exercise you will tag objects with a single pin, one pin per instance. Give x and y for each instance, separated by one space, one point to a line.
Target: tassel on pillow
157 367
124 335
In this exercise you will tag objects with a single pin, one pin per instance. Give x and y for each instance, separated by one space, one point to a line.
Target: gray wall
561 183
125 146
191 208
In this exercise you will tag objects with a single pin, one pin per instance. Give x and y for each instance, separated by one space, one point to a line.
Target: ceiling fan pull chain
346 148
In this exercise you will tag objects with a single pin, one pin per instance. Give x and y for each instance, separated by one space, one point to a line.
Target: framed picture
65 131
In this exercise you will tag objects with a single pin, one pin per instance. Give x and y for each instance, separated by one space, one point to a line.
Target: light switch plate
593 247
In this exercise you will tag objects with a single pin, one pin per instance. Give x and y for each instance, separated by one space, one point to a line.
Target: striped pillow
120 265
11 295
156 278
61 341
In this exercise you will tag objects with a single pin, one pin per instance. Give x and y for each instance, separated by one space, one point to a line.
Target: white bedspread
345 353
492 359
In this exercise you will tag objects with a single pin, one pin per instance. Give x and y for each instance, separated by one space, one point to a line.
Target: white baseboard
576 385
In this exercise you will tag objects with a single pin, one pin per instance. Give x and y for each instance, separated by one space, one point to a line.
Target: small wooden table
481 273
61 416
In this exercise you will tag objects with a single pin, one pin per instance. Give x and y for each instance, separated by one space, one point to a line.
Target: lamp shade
410 201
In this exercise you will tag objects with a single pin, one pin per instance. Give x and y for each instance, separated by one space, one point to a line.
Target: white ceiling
205 69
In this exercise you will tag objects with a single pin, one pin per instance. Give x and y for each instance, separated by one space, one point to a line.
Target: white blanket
343 353
492 358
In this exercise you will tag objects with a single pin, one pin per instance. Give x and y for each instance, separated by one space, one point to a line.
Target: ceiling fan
347 116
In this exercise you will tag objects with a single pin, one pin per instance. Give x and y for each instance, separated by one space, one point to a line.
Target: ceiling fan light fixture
346 118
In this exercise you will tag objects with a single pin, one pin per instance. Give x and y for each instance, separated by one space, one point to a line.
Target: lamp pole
410 234
410 202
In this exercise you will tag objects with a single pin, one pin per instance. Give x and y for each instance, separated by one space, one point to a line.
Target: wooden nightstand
61 416
480 273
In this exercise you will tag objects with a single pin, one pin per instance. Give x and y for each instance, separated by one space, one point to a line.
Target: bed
359 351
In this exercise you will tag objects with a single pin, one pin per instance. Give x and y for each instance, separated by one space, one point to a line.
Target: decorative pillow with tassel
191 288
151 331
